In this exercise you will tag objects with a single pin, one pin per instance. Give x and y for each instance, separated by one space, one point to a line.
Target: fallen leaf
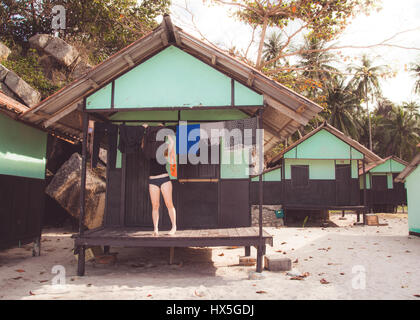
42 272
323 281
296 261
89 285
350 248
283 243
149 295
31 293
407 251
284 252
342 273
221 255
20 270
261 291
279 251
197 293
416 295
17 278
42 281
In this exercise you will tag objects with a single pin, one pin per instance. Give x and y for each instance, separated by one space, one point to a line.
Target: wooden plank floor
205 237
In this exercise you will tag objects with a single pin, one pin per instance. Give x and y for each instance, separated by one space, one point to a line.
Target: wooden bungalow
319 172
166 77
383 194
410 176
22 177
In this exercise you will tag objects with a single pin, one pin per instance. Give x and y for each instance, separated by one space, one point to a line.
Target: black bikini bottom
159 181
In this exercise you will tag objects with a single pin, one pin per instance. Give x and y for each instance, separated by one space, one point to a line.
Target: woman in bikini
159 181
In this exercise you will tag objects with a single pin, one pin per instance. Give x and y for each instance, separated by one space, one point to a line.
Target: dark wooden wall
199 204
381 199
22 202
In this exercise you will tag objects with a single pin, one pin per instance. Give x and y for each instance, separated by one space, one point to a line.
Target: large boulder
65 189
39 41
29 95
61 51
3 72
5 89
4 52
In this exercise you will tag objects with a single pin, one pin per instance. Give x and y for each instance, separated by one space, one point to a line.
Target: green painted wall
101 99
173 78
388 166
22 149
323 145
318 169
412 185
273 175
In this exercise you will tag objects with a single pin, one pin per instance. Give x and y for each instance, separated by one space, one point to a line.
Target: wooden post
364 191
247 251
81 262
171 255
260 187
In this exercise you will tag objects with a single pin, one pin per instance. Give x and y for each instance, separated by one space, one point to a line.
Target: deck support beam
81 253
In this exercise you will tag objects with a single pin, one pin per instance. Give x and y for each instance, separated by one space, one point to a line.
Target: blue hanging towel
186 139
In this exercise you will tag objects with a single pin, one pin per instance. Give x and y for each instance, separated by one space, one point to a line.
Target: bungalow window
300 176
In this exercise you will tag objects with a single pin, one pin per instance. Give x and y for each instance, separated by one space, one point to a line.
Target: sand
385 257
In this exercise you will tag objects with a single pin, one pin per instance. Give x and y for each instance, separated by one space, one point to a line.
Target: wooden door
343 184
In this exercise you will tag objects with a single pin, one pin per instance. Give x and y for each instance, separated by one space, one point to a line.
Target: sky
217 25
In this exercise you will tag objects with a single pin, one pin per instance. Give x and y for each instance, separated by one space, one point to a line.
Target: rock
39 41
277 263
29 95
253 275
3 72
4 52
294 273
5 89
65 189
80 69
61 51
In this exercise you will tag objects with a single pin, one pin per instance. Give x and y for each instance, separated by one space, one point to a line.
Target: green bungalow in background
22 177
411 177
317 173
383 194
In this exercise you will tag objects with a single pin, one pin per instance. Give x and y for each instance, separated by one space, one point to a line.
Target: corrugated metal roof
285 110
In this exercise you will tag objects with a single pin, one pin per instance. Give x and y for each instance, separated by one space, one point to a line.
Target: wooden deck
183 238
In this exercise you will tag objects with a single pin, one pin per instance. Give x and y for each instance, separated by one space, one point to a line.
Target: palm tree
342 107
415 68
315 61
366 81
400 133
272 47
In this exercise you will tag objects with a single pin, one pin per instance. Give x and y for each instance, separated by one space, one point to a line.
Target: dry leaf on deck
20 270
323 281
296 261
221 255
31 293
261 291
416 295
17 278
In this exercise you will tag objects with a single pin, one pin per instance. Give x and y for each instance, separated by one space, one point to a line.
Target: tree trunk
261 45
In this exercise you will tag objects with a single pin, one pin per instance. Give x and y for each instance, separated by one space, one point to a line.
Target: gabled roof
370 156
285 111
410 168
14 109
374 165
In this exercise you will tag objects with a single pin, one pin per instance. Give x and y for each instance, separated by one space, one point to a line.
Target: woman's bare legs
155 199
167 197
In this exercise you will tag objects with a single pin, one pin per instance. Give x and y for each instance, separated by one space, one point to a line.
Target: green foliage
103 26
28 68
